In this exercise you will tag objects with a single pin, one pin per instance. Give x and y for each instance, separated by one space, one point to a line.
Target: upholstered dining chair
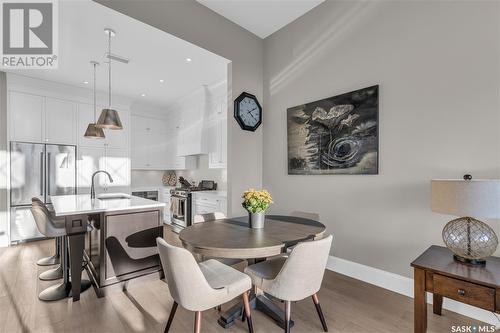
295 277
200 286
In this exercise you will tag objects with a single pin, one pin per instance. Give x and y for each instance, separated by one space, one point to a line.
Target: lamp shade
474 198
109 119
94 132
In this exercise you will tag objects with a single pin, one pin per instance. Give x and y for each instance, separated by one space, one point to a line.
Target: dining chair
200 286
295 277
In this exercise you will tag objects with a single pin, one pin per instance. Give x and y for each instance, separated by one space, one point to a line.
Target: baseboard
403 285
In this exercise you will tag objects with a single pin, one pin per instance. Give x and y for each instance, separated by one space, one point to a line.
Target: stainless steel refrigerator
37 170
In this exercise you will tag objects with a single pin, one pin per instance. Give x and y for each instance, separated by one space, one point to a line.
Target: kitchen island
120 243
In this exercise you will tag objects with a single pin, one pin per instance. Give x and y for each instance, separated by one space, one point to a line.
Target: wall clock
247 112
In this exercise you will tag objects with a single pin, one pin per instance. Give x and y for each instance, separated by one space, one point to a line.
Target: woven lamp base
470 240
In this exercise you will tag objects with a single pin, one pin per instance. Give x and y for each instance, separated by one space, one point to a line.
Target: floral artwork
336 135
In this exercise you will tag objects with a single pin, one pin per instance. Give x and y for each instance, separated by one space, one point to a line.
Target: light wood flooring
349 305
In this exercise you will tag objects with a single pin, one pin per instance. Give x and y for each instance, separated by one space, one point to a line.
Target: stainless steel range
181 202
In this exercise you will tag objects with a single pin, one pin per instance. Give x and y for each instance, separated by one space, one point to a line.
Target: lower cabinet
206 203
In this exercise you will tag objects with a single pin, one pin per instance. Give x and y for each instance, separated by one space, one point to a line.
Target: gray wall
437 64
197 24
3 161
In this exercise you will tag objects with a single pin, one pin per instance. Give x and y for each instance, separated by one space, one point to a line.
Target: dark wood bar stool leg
247 312
197 322
320 312
437 304
288 305
171 317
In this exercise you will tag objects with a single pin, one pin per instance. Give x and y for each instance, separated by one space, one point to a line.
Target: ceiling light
85 82
189 59
92 131
109 117
143 95
161 80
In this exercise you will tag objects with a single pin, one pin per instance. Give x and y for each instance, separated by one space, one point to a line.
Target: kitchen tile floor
349 305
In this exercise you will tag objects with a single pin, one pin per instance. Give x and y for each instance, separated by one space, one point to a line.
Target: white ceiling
261 17
153 55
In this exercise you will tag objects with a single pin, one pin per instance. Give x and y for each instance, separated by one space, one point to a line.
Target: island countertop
65 205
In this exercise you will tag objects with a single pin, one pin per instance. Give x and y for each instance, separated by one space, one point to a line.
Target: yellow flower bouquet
256 201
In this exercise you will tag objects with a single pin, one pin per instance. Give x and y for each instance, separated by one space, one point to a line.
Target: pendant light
109 117
94 132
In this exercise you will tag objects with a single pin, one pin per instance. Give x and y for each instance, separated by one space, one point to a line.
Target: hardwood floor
348 305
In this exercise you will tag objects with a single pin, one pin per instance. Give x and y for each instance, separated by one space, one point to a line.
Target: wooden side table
436 272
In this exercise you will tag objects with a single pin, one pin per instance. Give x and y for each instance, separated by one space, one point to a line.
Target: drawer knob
461 292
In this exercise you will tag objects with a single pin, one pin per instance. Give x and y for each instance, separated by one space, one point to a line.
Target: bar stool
53 259
50 229
55 273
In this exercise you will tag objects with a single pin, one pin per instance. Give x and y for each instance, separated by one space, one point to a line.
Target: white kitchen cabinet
217 155
117 163
118 139
206 203
192 131
90 159
42 119
114 161
60 121
154 145
27 116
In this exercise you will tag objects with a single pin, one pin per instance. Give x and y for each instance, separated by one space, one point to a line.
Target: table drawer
469 293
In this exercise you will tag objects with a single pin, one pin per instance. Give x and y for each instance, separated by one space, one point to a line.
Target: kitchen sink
111 196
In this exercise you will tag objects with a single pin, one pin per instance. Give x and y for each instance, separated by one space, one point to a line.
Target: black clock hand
250 113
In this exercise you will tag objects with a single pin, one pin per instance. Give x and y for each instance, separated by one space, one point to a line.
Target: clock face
248 112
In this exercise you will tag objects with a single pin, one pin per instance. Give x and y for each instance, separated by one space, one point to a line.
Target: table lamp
469 239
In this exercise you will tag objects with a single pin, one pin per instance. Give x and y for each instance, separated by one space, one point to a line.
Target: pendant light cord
95 103
109 72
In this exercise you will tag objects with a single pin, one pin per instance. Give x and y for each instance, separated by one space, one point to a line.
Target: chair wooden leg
171 316
247 312
320 312
288 304
197 322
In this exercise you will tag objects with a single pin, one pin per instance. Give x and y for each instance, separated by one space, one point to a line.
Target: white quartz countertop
219 193
65 205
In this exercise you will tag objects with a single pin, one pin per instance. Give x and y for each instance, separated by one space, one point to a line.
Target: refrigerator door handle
48 173
41 173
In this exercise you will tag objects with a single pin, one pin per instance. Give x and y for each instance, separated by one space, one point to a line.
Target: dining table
232 238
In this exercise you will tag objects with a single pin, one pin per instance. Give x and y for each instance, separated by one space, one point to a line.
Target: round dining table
231 238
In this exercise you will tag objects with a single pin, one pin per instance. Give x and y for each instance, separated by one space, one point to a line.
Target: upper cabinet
36 118
118 139
192 129
154 145
60 121
27 117
217 135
